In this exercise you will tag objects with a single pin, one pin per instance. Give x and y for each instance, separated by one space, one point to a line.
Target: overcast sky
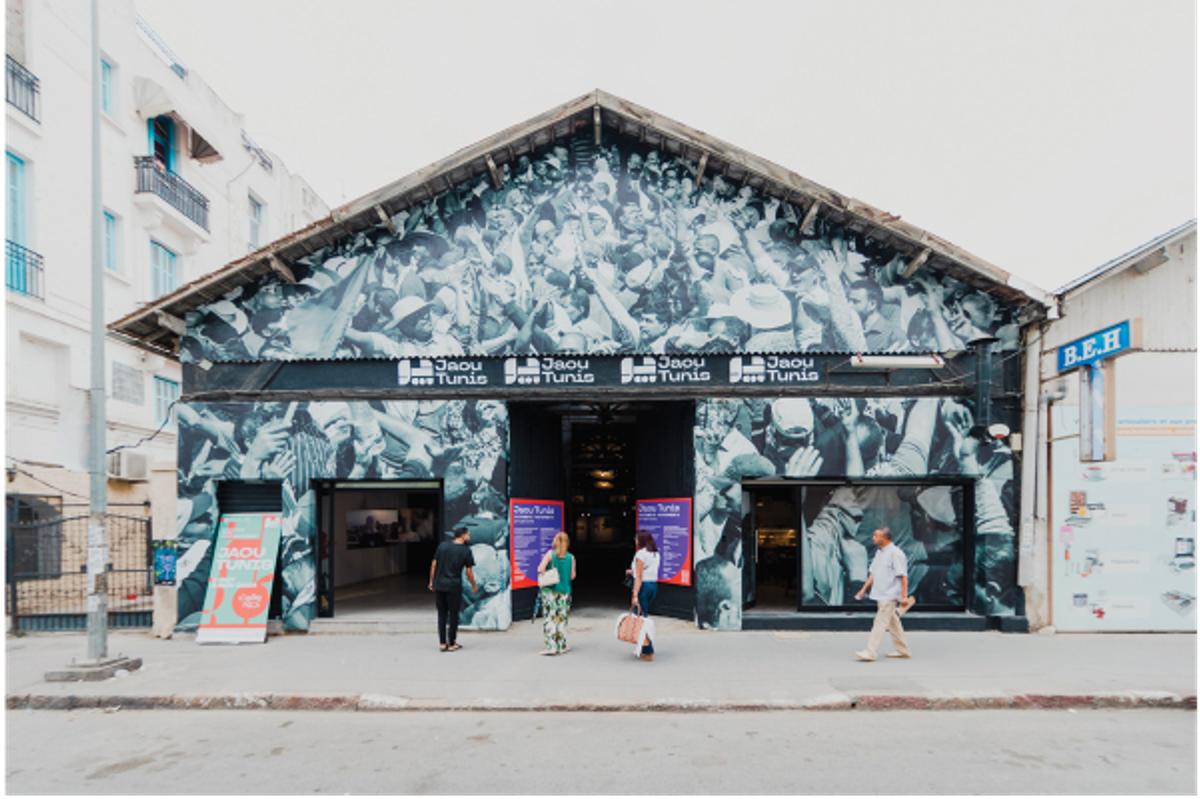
1044 136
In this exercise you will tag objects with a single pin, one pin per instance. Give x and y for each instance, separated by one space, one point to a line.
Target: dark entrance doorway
599 458
375 547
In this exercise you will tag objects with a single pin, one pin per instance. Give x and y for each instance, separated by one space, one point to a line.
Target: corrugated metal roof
156 323
1128 259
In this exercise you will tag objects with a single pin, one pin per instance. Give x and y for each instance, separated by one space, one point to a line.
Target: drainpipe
983 383
1035 548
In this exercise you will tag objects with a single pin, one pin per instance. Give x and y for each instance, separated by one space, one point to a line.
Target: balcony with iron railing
23 274
153 178
22 89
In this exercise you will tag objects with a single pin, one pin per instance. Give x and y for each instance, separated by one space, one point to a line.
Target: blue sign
533 524
1090 349
669 521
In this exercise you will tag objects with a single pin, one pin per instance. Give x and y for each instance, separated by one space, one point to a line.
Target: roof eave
607 111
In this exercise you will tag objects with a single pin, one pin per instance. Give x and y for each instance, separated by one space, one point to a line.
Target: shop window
927 523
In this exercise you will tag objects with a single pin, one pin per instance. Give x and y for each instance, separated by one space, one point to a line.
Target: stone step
373 626
861 622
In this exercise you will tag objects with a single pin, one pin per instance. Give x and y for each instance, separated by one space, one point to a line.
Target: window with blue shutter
106 87
110 242
162 141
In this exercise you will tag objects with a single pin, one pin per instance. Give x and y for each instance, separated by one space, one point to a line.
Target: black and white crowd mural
879 439
463 443
600 250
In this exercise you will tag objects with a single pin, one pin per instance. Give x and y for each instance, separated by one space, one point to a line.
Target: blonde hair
561 542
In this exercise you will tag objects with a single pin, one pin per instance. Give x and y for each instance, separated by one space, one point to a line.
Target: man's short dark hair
874 292
459 532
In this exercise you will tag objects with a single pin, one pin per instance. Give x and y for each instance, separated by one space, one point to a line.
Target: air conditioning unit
125 464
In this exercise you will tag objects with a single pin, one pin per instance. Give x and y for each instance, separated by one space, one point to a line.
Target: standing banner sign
670 522
534 523
239 587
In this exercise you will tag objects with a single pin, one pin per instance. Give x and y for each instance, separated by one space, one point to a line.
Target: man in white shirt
888 584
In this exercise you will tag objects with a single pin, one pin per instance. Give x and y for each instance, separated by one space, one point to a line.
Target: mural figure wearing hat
789 443
767 310
412 334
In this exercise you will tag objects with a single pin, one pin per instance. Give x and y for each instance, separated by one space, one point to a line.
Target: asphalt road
273 752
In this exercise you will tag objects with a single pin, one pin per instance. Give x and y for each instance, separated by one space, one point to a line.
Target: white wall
1155 424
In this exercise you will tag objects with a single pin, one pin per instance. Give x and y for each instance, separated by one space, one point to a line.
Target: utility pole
98 664
97 557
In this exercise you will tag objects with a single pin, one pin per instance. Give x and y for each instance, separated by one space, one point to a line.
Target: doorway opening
599 459
375 546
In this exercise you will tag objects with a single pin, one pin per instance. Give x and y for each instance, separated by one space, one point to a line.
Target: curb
387 703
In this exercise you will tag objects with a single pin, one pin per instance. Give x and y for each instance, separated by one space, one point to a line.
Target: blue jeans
646 595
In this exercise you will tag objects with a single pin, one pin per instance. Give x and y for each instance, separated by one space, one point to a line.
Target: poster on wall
670 522
164 562
534 523
371 528
1124 530
239 587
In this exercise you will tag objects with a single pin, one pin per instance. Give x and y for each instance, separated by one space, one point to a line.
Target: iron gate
47 570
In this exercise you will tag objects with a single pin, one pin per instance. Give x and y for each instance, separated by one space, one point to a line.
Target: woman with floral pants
556 599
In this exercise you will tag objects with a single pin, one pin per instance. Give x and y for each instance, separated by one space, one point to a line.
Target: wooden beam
280 268
172 323
386 220
917 262
810 217
497 180
700 169
596 123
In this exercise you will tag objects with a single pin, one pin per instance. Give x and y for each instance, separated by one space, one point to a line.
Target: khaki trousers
887 620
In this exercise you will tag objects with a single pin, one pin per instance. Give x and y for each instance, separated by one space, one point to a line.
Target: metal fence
22 89
47 570
181 195
23 270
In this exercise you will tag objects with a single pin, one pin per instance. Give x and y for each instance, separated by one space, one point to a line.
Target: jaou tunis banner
239 587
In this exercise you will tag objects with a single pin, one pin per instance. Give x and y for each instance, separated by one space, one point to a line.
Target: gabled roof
1143 259
160 323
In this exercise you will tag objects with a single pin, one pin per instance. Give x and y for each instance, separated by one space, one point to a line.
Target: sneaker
898 655
646 657
864 655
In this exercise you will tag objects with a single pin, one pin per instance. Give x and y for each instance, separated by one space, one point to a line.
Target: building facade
1117 482
610 320
185 191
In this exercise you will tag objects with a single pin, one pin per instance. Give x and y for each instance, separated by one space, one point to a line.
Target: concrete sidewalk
694 670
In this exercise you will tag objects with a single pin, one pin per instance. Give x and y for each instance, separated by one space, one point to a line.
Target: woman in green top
556 599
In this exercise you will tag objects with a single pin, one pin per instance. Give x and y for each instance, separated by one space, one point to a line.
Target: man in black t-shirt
445 580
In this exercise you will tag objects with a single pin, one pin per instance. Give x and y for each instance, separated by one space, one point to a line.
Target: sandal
547 652
442 648
454 647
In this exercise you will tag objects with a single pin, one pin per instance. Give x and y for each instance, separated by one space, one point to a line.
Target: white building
185 191
1116 498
